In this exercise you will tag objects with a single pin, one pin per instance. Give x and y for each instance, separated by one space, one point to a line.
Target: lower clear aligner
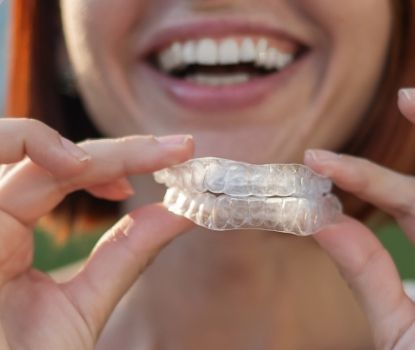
297 215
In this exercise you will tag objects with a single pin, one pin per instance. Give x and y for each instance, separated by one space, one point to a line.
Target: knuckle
367 164
39 128
355 177
31 123
365 175
360 181
367 167
363 266
406 206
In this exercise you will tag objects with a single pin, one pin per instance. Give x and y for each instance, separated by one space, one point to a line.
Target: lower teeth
220 75
219 80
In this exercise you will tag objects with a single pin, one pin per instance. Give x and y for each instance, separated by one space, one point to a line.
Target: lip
218 98
222 98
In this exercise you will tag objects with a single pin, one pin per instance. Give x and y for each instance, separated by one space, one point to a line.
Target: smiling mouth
225 61
221 65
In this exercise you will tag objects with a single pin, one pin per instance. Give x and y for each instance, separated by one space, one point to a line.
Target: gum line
240 179
299 216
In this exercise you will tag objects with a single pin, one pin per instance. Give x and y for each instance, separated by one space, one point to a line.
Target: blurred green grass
401 249
50 254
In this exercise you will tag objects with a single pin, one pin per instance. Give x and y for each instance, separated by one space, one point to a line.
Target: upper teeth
224 52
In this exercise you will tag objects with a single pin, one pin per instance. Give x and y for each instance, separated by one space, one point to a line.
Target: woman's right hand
35 311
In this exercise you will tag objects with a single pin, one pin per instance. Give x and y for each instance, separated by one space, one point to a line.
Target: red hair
383 136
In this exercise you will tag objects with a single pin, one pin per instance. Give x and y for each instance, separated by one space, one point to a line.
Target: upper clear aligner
305 190
218 175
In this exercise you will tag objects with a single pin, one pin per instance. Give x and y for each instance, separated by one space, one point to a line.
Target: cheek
100 30
96 25
98 35
354 51
342 14
356 27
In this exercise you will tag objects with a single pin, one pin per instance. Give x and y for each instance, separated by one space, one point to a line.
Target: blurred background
50 254
4 7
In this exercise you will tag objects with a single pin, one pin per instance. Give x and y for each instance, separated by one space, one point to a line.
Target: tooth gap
249 68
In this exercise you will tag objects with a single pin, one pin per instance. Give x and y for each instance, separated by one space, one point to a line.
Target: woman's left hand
362 260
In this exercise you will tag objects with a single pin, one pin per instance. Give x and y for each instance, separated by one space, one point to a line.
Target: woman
334 89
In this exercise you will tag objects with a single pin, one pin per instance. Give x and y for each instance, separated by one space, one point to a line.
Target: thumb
118 259
370 272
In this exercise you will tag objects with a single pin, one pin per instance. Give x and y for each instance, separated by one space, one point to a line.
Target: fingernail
321 155
407 94
74 150
174 139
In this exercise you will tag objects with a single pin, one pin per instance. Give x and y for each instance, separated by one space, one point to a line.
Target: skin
266 290
104 56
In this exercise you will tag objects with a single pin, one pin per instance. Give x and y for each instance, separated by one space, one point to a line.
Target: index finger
29 192
43 145
388 190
